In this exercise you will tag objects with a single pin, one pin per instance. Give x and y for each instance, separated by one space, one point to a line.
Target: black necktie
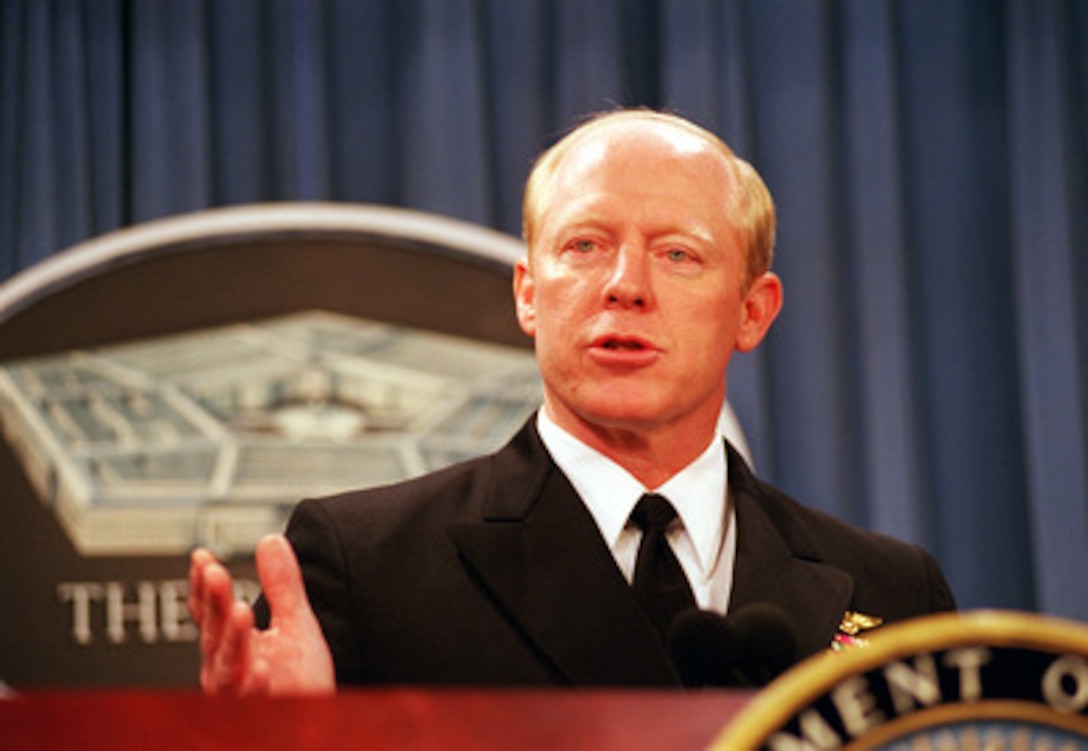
660 584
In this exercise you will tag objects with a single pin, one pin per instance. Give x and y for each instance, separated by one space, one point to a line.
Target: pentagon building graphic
210 438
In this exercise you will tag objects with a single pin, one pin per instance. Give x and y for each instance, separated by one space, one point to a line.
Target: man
649 252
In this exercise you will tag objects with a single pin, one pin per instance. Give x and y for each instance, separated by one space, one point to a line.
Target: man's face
634 287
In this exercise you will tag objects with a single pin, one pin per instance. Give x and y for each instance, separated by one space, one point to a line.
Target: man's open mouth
623 344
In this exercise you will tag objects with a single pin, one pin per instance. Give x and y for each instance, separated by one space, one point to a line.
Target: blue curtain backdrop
929 375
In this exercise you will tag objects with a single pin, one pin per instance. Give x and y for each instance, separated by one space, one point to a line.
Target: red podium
986 679
379 719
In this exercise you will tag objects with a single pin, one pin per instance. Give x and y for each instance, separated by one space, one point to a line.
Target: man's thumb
281 578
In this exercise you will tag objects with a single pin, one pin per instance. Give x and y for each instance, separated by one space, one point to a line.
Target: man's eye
584 246
677 254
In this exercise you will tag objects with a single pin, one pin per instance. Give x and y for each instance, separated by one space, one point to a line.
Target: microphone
750 648
769 642
705 648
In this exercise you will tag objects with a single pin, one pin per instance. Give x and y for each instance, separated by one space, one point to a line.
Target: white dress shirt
705 542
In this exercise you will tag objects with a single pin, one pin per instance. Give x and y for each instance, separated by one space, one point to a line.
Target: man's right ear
524 297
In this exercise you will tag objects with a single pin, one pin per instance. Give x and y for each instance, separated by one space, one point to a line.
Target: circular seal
985 680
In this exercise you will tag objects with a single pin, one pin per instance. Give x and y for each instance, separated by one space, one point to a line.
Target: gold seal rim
800 686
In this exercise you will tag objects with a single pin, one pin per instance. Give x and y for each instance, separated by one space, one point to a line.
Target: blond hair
750 209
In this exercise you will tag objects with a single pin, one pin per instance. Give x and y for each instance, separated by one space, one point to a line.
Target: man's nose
628 283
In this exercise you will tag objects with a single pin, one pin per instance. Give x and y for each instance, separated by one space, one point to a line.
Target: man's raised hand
289 657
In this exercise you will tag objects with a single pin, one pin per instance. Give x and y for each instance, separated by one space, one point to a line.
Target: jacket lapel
540 554
777 564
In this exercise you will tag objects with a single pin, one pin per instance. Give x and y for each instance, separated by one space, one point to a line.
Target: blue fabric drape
929 376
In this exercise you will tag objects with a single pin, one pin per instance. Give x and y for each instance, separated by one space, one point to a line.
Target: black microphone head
704 648
767 642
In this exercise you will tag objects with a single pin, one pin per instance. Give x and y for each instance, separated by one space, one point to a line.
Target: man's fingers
229 668
199 559
216 600
290 657
281 578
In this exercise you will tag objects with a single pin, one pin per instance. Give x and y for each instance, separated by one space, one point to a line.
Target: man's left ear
759 308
